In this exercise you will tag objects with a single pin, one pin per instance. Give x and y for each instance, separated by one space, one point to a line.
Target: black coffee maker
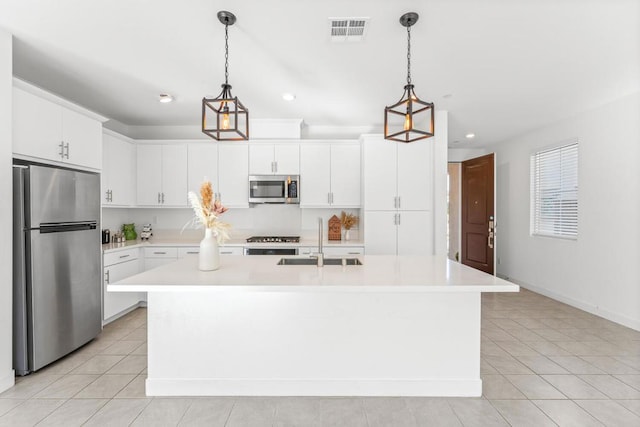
106 236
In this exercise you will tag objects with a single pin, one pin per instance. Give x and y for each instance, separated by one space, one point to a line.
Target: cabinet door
287 158
380 177
119 168
380 232
151 263
149 174
116 302
37 126
415 175
261 160
105 174
174 175
202 163
233 175
415 233
315 161
345 175
84 136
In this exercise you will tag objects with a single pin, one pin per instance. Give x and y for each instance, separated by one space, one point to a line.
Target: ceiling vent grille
347 29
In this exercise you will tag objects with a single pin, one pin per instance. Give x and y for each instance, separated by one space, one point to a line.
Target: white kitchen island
395 326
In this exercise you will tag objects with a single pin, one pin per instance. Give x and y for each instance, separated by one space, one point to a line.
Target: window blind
554 192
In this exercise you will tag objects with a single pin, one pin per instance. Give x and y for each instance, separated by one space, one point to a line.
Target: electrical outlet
498 260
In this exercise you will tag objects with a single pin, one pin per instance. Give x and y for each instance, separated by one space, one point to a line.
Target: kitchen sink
313 261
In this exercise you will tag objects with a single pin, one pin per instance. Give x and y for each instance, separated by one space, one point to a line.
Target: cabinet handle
276 163
125 256
106 197
399 202
67 148
111 195
158 198
106 277
395 202
353 253
159 253
398 219
331 198
328 198
193 252
226 252
163 198
61 153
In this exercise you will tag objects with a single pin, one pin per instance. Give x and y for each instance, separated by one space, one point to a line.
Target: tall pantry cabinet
398 196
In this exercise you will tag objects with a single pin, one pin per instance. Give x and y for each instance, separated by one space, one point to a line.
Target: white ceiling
509 65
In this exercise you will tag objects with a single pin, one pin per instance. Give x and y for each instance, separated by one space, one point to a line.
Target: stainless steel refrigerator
56 263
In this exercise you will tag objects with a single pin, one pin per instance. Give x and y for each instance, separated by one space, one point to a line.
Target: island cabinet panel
46 130
162 175
330 175
274 159
118 171
313 344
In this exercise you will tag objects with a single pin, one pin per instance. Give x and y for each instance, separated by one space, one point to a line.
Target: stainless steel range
275 248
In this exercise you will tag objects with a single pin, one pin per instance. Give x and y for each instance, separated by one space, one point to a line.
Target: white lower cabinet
398 232
335 251
117 266
156 256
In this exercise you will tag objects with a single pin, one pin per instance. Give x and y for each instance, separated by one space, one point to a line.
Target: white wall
600 272
6 213
462 154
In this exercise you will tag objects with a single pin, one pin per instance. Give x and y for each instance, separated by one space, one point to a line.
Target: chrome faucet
319 255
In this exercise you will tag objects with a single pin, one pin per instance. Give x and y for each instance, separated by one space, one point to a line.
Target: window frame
558 214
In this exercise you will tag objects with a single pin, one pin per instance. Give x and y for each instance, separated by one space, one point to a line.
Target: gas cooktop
273 239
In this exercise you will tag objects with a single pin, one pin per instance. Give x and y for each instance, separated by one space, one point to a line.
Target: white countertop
379 273
190 241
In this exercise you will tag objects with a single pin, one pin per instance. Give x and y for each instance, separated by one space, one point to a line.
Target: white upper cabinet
380 173
162 175
315 179
274 159
330 175
118 171
202 163
397 175
233 175
226 166
345 175
50 131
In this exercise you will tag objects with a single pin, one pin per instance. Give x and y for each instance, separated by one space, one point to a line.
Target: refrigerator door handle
67 226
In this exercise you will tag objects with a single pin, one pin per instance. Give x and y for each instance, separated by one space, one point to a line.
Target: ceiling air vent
347 29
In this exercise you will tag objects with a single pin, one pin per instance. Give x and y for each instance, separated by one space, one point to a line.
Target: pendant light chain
226 54
409 54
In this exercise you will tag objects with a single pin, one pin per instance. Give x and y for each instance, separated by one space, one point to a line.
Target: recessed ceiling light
288 96
470 135
165 98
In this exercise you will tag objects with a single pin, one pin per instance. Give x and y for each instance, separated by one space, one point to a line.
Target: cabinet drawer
342 251
161 252
182 252
231 250
120 256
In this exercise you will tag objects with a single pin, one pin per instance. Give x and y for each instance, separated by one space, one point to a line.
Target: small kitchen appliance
274 189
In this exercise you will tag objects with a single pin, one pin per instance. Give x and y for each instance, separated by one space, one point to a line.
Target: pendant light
410 119
224 118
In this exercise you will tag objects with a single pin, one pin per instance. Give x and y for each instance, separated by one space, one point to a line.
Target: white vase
347 235
209 252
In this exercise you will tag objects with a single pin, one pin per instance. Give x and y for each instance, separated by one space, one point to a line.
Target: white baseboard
8 381
590 308
313 387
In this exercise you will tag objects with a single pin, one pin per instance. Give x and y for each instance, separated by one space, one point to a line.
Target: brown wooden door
477 213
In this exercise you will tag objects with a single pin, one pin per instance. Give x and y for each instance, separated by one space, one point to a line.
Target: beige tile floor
543 363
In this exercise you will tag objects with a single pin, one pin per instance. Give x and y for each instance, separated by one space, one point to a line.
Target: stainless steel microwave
274 189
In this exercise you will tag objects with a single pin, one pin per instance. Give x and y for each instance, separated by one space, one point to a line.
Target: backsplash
260 219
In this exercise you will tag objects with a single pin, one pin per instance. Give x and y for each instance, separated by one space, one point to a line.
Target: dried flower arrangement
348 220
208 210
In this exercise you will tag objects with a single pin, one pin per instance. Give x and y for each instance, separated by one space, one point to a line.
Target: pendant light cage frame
410 119
225 118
